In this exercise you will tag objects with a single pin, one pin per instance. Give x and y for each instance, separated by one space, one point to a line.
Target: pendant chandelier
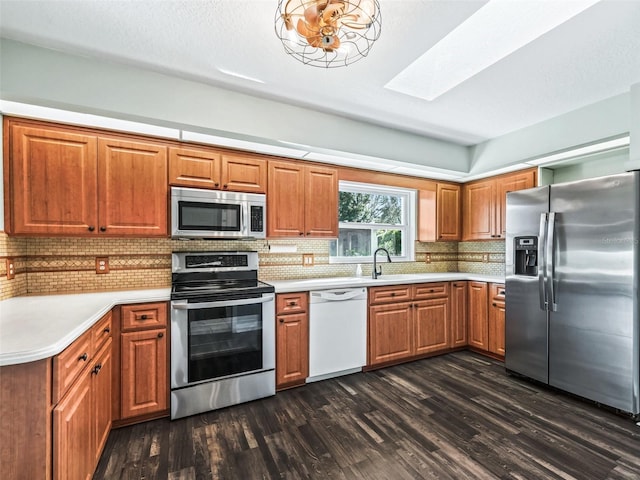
328 33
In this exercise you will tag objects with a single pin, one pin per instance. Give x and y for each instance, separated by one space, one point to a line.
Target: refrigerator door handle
542 269
550 261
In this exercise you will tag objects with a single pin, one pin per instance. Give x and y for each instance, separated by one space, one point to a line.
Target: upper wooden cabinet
214 169
63 181
439 213
484 204
302 200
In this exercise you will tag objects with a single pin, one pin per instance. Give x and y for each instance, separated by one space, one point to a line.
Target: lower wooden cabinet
497 319
459 314
144 377
478 315
292 339
82 419
407 321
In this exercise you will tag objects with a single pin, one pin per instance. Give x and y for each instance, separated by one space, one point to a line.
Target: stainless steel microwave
198 213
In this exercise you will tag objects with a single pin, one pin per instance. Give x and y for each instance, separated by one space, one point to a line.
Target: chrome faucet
378 271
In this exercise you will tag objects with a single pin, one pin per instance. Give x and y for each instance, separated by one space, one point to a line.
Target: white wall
609 163
50 78
605 119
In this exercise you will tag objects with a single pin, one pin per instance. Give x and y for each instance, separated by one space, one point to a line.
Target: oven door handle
183 305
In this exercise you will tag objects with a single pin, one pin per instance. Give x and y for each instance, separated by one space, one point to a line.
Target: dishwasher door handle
336 295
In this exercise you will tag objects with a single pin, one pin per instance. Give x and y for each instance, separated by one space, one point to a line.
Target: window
373 216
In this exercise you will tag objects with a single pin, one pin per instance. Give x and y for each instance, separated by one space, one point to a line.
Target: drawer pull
500 292
160 335
494 304
281 320
83 357
393 294
97 369
431 291
292 304
107 330
143 317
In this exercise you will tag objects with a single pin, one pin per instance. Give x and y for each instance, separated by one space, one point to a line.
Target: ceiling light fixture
328 33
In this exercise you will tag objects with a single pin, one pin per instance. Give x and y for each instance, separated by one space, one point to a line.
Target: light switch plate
102 265
307 259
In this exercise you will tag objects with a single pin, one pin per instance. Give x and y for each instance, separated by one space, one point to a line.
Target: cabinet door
285 202
511 183
496 327
292 349
190 167
242 173
479 211
144 378
478 315
52 182
431 325
458 314
448 212
102 399
73 432
390 333
132 188
321 202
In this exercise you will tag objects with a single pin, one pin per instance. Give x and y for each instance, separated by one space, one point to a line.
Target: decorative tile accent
63 265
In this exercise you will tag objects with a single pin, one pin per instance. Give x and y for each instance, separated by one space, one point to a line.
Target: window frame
408 227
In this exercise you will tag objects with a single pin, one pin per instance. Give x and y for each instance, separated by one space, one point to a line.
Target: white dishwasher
337 332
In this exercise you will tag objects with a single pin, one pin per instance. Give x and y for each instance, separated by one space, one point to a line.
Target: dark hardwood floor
451 417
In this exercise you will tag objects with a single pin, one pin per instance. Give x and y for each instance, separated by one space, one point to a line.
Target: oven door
220 339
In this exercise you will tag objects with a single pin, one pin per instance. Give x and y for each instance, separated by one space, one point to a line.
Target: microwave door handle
183 305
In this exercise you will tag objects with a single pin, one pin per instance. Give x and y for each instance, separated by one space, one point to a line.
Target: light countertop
33 328
37 327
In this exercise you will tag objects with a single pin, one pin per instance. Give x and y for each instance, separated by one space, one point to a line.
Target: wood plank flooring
451 417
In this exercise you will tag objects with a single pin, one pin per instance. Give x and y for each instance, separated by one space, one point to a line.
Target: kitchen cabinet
496 340
82 416
217 170
302 200
292 339
439 212
484 204
407 321
478 315
71 181
144 378
459 314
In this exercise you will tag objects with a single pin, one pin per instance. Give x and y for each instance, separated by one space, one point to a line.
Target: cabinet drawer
148 315
497 291
68 365
399 293
291 303
101 331
430 290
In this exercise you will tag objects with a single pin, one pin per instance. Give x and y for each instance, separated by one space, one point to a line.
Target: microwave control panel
257 218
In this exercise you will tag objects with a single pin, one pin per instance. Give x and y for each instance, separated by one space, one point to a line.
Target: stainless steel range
222 332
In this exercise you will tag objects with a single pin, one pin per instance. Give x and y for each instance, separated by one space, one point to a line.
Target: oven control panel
209 261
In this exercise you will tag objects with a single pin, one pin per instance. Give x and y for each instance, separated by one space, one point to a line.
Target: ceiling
591 57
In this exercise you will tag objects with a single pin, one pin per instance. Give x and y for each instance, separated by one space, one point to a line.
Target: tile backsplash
63 265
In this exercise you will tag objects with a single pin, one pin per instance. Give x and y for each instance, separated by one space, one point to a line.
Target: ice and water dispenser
526 251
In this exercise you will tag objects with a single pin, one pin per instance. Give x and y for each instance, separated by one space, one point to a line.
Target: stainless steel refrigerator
572 288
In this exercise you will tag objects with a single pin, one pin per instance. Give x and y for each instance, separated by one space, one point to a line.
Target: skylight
496 30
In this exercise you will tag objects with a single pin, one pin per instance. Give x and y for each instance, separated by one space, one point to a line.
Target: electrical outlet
307 259
11 269
428 258
102 265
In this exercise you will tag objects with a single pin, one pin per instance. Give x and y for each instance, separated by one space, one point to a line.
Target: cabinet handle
216 184
143 317
431 291
83 357
291 304
107 330
103 229
160 335
281 320
91 228
301 233
494 304
97 368
393 294
500 292
225 186
308 233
